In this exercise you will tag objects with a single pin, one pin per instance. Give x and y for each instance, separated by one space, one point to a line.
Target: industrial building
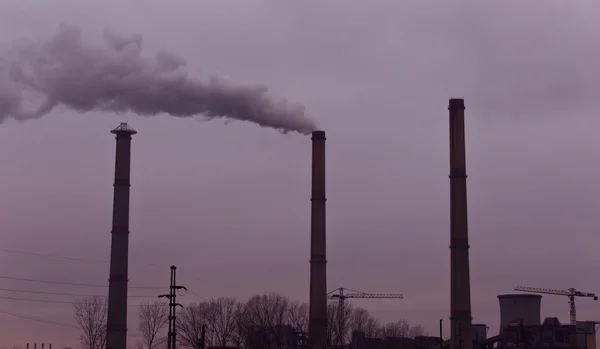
282 336
359 341
520 314
521 327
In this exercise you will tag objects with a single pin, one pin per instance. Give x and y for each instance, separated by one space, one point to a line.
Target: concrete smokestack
317 322
460 284
119 247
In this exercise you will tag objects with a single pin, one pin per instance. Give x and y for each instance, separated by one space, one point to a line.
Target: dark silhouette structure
119 247
172 296
317 322
460 284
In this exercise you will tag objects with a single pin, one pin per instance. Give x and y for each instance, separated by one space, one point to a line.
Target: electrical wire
66 294
52 256
50 301
197 295
32 318
75 258
72 283
3 311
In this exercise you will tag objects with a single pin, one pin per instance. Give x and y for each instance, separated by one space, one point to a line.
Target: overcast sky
229 204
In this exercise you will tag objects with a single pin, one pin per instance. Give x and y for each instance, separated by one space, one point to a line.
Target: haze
229 203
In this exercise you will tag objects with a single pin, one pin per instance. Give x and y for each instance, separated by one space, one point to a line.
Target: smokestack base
318 136
456 104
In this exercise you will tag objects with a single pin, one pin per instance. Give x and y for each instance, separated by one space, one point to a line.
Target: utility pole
171 338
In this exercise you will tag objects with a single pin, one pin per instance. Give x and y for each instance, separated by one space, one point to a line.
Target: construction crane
341 295
570 292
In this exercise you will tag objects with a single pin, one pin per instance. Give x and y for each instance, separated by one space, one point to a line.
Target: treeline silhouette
263 321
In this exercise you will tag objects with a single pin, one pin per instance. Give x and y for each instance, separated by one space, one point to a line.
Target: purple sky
229 204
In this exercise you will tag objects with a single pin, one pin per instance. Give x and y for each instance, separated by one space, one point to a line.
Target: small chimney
317 323
460 284
116 325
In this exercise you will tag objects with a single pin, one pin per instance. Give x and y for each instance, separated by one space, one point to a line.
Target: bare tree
90 314
398 329
297 316
189 325
331 322
266 314
221 318
242 326
360 317
153 318
362 321
372 328
339 319
416 331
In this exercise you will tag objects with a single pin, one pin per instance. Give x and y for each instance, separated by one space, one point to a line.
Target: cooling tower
317 322
460 284
515 308
116 325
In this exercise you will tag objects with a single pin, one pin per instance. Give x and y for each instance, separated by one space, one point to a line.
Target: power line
50 301
72 283
197 295
36 319
52 256
66 294
32 318
75 258
37 300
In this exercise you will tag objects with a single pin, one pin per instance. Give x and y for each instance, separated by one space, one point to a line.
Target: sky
228 203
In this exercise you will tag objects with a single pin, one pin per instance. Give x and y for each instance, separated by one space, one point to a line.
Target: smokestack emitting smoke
460 284
116 324
317 322
64 70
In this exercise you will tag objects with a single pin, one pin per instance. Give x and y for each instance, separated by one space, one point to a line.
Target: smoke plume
64 70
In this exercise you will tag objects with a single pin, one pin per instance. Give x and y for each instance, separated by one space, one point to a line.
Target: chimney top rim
123 128
318 135
456 104
519 295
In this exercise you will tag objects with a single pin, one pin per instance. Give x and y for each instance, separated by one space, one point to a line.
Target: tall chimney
460 284
119 248
317 321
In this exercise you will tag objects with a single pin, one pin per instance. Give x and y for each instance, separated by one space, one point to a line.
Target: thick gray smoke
116 78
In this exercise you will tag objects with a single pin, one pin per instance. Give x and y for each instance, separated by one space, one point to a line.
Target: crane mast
342 295
570 292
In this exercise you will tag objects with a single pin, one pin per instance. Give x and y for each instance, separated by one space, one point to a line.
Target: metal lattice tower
570 292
